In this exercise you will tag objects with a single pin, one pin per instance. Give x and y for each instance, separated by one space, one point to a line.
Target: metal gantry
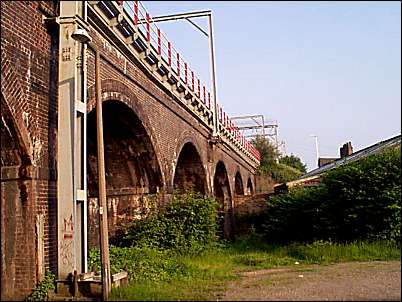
256 125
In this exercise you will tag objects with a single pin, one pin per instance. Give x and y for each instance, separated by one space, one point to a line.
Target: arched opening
12 151
250 190
222 193
238 184
132 171
17 210
189 174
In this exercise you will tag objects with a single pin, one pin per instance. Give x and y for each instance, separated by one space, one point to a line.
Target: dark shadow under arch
130 159
132 169
116 91
250 189
222 193
238 184
189 173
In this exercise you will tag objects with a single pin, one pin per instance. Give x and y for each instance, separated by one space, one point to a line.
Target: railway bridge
163 130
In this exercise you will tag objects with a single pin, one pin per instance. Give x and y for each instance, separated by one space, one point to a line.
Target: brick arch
200 169
223 192
17 205
187 137
250 186
220 161
118 91
238 188
13 99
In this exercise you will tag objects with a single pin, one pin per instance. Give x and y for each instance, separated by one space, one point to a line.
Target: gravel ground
352 281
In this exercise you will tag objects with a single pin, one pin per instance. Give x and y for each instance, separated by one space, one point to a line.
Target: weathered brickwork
168 124
153 145
168 128
28 109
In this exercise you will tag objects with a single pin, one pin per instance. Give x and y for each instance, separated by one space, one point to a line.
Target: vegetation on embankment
360 200
168 274
175 254
276 166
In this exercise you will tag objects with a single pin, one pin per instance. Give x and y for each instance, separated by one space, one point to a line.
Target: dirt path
377 280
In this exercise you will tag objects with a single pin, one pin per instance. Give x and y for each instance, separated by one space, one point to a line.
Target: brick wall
168 124
168 129
29 87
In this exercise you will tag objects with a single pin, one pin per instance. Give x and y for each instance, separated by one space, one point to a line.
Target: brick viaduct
156 140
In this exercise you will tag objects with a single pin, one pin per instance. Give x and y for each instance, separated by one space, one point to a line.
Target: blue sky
332 69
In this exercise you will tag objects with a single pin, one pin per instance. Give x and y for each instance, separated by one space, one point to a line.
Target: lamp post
210 36
316 146
82 36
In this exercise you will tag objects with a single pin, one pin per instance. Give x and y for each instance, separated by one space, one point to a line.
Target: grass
204 276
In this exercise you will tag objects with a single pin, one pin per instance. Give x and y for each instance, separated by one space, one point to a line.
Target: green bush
284 173
357 201
288 168
150 249
296 216
41 291
294 162
366 197
189 221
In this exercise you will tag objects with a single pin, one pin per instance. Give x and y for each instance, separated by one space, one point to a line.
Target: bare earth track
352 281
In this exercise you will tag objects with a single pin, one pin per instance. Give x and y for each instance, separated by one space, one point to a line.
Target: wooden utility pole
104 234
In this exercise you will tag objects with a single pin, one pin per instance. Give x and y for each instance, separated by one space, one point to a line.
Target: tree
279 172
293 161
268 152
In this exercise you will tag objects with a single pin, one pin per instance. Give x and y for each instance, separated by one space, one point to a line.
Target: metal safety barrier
152 38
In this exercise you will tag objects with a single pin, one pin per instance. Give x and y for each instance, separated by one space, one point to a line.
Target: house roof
373 149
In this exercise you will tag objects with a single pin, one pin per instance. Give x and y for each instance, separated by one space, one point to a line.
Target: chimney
346 150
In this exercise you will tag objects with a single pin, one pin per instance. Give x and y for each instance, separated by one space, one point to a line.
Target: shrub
41 291
189 221
357 201
288 168
366 197
284 173
150 249
296 216
293 161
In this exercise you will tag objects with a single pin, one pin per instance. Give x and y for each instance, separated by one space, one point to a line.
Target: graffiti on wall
68 228
66 245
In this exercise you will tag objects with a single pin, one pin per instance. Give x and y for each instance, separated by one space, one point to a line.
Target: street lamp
316 147
82 36
210 36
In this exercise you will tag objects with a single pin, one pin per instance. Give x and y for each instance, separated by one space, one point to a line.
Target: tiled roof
373 149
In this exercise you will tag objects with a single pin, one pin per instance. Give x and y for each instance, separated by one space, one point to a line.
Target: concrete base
87 288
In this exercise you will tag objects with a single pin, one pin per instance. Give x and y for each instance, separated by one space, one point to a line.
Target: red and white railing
165 50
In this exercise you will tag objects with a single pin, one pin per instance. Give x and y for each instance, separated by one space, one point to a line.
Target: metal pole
104 236
263 125
84 154
187 16
276 139
316 147
177 16
213 76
